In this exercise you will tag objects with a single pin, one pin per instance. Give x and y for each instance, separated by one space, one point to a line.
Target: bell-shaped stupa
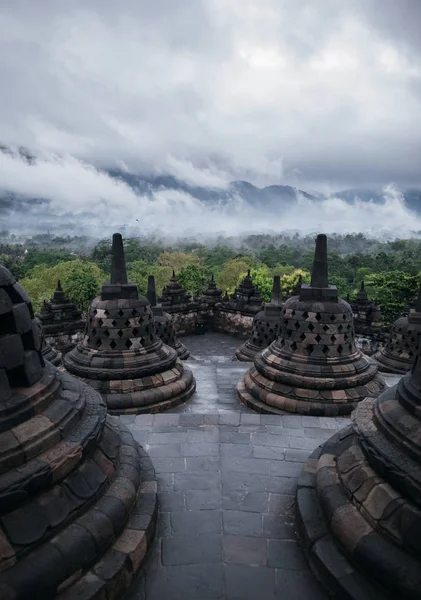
314 367
121 355
212 294
78 498
368 322
359 499
61 321
398 354
164 322
266 325
174 293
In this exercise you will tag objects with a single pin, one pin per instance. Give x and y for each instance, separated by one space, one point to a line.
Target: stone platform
227 480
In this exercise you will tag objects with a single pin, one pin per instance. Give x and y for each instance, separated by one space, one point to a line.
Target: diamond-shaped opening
340 328
113 344
120 333
135 331
345 337
297 325
93 331
94 312
325 328
127 322
302 337
107 333
333 338
311 327
325 350
147 329
134 312
128 344
113 322
340 349
100 322
106 313
318 317
318 338
293 346
98 343
305 315
309 349
293 313
344 317
120 313
332 318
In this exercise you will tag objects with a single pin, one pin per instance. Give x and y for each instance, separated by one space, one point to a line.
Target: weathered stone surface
314 367
399 352
121 355
71 477
360 515
62 324
370 331
266 325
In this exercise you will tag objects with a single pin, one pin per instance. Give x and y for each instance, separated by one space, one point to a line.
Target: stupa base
246 352
113 574
264 395
388 365
133 400
182 351
344 549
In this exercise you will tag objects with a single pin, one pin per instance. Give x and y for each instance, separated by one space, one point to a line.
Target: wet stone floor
226 486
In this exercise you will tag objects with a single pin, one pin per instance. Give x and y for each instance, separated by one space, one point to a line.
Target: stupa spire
59 288
151 291
319 273
276 295
118 262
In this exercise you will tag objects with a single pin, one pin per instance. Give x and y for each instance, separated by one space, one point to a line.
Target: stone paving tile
226 490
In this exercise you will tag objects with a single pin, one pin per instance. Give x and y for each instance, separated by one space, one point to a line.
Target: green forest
391 270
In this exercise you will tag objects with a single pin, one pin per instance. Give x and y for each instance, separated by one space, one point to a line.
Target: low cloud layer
83 200
322 95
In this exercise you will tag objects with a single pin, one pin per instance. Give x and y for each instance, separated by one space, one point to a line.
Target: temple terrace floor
226 481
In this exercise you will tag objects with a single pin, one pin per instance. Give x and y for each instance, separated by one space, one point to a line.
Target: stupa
173 293
212 294
62 321
359 499
78 498
266 325
368 322
297 289
313 367
164 322
121 355
248 293
48 352
398 354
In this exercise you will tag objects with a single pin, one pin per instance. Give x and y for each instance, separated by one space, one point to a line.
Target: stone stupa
121 355
398 354
48 352
78 499
314 367
359 499
61 321
368 322
164 322
212 294
174 294
266 325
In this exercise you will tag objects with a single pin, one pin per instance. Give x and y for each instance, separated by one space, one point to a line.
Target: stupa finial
151 291
118 263
362 286
276 295
319 273
59 288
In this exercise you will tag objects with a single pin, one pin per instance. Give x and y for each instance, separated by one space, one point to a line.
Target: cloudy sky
321 95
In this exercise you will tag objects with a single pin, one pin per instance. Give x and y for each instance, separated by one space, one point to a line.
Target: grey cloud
300 92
